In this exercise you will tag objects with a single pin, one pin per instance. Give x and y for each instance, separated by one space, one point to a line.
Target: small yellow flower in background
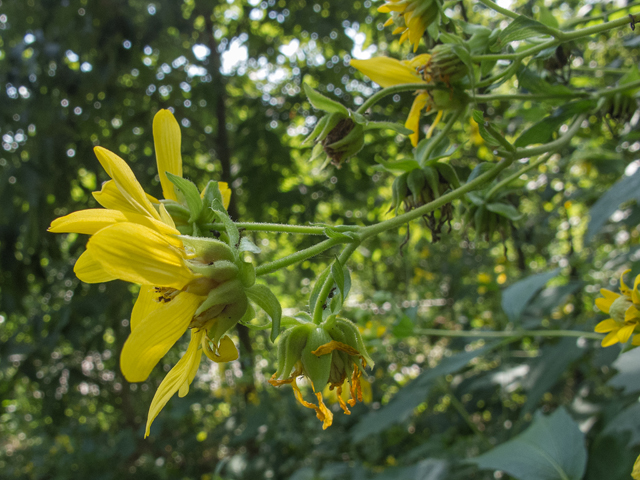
135 239
388 72
411 17
624 309
635 474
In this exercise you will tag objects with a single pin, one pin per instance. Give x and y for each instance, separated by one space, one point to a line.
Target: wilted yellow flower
624 309
388 72
411 17
134 239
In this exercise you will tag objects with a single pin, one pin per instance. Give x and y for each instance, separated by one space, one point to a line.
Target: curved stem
282 228
515 175
376 97
298 256
441 134
547 147
508 334
400 220
328 283
527 96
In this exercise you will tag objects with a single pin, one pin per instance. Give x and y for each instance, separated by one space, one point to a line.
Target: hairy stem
282 228
515 175
298 256
441 135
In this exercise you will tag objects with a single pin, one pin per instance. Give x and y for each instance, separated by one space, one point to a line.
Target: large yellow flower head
185 282
388 72
624 309
411 18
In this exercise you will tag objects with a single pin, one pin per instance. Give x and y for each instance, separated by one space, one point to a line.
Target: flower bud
445 65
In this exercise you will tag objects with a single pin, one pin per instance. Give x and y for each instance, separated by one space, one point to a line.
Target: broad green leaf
508 211
190 193
552 448
520 29
528 80
627 188
547 18
323 103
398 166
516 297
479 170
542 132
413 394
266 300
628 376
211 192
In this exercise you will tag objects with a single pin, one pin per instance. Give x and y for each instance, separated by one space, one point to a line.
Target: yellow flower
388 72
624 310
412 17
134 239
635 474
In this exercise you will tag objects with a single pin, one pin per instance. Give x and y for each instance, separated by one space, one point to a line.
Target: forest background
444 393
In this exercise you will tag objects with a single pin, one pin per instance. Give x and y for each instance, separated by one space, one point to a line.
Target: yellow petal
126 181
623 286
386 71
635 474
89 270
635 296
608 294
610 339
632 313
226 351
191 374
604 304
92 220
166 218
413 120
155 335
435 123
178 375
607 326
625 333
137 254
146 303
167 138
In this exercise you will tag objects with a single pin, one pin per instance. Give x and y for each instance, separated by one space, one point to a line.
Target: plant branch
282 228
508 334
298 256
376 97
517 174
441 134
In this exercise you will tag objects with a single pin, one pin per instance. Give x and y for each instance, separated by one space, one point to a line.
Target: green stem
547 147
375 98
612 91
576 21
612 71
527 96
507 72
298 256
281 228
326 287
517 174
441 134
407 217
508 334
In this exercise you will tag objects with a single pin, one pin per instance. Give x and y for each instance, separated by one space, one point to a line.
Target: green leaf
475 198
320 124
266 300
520 29
552 448
488 137
333 233
628 376
625 189
413 394
542 132
398 166
211 192
547 18
247 245
516 297
479 170
323 103
528 80
508 211
190 193
404 328
315 292
396 127
338 276
230 227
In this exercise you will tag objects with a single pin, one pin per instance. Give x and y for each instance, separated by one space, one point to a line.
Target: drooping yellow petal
625 333
610 339
225 191
413 120
110 197
635 295
435 123
92 220
155 335
167 138
89 270
126 181
386 71
137 254
623 286
604 304
166 218
607 325
191 374
176 377
226 351
146 303
632 313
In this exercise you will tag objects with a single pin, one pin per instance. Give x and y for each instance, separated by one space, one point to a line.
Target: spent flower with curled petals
186 282
329 355
624 311
411 17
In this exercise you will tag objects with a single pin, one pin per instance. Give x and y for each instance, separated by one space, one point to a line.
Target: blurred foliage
79 73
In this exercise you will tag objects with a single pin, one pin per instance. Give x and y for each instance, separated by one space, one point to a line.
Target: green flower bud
445 65
316 368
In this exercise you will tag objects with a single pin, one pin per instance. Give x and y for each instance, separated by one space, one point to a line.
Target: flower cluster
624 310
